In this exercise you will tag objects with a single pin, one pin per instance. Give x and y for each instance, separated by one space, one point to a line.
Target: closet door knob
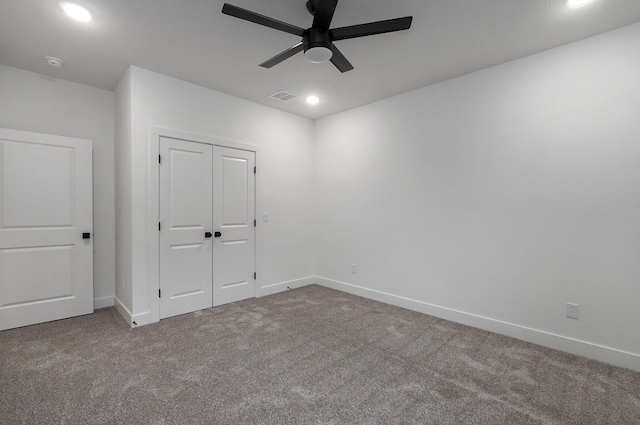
207 234
218 234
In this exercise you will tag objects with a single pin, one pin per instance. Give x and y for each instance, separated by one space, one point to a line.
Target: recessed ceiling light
54 61
76 12
313 100
575 4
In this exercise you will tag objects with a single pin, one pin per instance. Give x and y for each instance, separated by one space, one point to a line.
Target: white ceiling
193 41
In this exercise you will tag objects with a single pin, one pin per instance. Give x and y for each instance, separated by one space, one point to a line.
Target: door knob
86 236
218 234
207 234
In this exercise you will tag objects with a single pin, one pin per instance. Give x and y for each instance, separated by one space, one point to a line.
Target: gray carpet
307 356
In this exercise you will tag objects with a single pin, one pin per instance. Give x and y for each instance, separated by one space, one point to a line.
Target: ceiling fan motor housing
316 37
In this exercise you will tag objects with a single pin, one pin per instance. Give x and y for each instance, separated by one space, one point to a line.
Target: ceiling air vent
284 96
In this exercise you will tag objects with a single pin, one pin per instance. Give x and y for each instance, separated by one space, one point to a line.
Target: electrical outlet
573 310
354 269
122 283
265 217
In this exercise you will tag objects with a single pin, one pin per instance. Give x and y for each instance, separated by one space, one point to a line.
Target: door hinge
254 170
255 223
159 159
255 275
159 293
158 226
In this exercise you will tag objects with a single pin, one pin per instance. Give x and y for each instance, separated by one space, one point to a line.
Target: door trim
152 259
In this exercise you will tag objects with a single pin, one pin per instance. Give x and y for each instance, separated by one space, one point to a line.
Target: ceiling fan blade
282 56
324 13
256 18
372 28
339 60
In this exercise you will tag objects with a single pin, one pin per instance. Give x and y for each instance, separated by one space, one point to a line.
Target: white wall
286 257
123 189
494 198
33 102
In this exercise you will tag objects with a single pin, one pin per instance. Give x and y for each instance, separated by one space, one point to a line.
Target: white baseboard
547 339
134 320
124 312
147 318
283 286
103 302
141 319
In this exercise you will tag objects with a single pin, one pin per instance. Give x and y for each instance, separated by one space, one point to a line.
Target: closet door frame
152 259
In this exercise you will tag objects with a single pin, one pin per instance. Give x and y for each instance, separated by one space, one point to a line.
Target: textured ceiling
193 41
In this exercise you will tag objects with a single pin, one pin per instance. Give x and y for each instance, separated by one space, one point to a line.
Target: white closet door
233 218
185 217
46 218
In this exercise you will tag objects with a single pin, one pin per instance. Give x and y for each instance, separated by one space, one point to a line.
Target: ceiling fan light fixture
318 54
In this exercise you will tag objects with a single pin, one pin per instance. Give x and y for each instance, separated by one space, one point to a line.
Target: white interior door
46 218
233 217
185 218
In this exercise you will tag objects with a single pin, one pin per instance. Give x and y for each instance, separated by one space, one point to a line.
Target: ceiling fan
317 41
